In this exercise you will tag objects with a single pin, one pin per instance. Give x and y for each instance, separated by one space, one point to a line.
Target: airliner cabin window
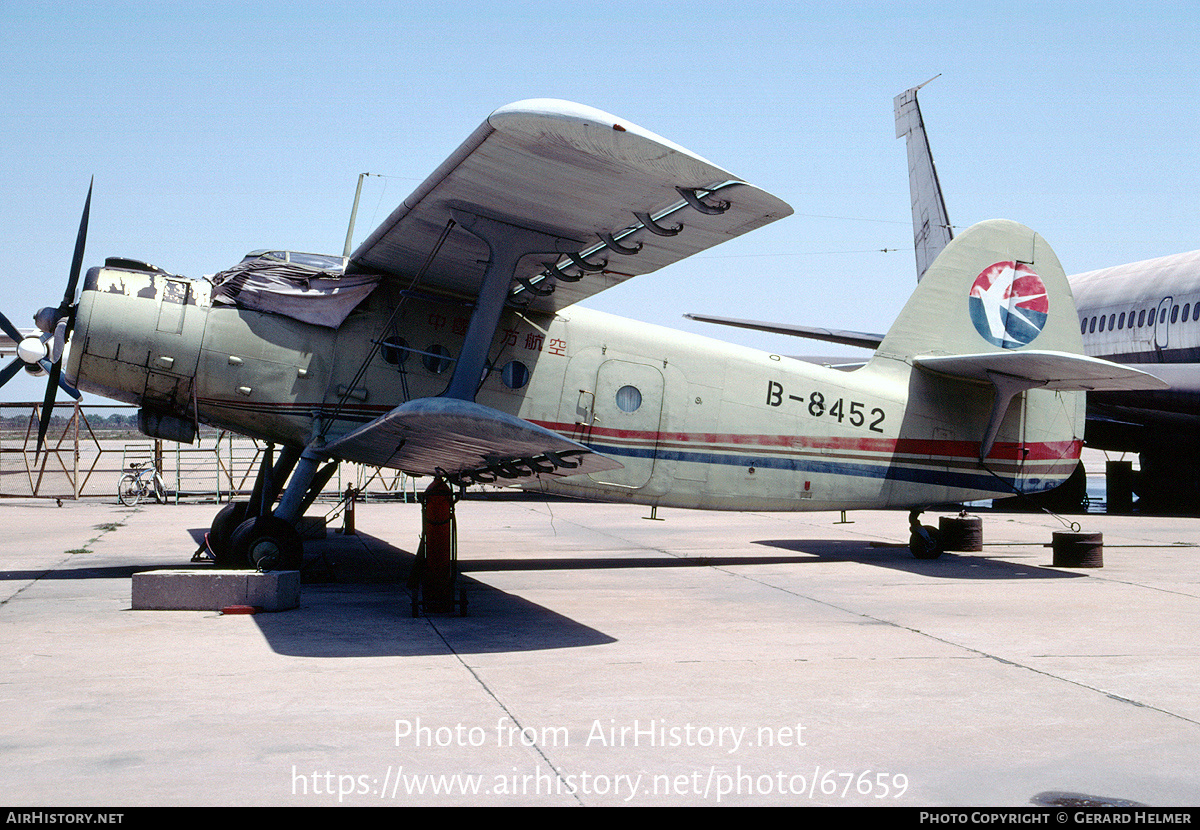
1112 322
1142 317
1121 321
1174 313
1102 320
1083 326
1183 315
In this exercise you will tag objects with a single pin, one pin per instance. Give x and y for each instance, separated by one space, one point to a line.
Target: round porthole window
394 350
515 374
438 360
629 399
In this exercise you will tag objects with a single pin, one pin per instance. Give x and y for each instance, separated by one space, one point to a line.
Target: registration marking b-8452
818 406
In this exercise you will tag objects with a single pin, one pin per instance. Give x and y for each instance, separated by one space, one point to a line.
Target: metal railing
86 457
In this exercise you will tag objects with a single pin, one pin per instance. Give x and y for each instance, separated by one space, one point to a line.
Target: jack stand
844 520
653 517
351 495
435 572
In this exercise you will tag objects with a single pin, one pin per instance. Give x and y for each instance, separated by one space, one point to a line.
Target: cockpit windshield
321 262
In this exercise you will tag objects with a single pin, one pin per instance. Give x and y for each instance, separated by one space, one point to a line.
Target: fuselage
1145 313
696 422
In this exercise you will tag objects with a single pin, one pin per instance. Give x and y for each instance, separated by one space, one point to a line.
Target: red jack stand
350 496
435 572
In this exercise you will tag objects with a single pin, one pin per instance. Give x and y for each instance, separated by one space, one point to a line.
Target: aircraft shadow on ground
364 609
974 566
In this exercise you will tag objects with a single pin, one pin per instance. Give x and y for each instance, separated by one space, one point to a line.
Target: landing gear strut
924 541
249 535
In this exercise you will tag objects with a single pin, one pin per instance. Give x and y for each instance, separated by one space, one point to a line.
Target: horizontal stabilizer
861 339
1043 370
1012 372
466 441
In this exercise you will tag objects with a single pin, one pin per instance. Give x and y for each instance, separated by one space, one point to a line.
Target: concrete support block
208 590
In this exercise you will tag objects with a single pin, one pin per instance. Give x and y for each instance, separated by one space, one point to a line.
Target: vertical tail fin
931 225
997 287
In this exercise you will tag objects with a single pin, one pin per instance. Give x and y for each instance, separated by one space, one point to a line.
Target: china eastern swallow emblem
1008 304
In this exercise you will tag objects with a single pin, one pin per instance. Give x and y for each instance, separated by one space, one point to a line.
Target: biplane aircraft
451 344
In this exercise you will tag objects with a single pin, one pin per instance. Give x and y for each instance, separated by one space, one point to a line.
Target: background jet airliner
1141 313
449 344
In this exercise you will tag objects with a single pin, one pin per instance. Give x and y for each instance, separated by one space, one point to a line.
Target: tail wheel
268 543
925 542
129 490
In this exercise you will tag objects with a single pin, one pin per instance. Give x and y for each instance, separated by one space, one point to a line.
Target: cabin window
1142 317
394 350
1121 321
1112 322
1184 314
1162 317
1092 326
1196 312
437 360
1083 326
1102 321
515 374
629 399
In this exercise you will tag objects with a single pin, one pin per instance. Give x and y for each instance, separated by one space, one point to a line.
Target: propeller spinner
42 354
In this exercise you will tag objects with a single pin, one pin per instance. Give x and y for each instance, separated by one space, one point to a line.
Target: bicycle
141 481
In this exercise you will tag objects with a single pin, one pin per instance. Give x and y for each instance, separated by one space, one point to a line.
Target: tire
268 543
160 489
224 523
925 542
129 490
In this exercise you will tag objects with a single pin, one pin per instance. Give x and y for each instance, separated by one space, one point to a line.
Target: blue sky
216 128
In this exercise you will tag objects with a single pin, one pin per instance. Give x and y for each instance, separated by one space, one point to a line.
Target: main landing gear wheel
219 536
268 543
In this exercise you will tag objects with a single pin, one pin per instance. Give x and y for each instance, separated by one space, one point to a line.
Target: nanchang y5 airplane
451 344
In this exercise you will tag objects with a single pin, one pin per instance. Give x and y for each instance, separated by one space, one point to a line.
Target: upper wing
603 188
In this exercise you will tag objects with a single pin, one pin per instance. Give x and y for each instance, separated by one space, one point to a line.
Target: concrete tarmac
705 659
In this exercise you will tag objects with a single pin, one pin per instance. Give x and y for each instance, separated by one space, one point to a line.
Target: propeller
41 354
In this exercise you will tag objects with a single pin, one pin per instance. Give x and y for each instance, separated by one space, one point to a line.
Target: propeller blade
47 408
61 331
60 340
68 388
6 374
9 329
77 260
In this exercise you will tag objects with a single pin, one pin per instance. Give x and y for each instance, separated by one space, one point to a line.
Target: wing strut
508 244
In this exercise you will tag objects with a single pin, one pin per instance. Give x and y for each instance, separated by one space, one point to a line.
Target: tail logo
1008 304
